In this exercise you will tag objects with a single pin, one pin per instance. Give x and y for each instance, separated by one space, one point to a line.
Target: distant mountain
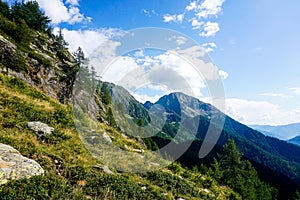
283 132
295 140
188 112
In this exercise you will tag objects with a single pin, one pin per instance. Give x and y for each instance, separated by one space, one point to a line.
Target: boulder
40 128
15 166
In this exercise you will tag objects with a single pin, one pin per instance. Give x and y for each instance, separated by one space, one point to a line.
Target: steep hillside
71 172
37 74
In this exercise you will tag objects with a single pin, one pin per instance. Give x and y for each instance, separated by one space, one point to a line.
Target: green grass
71 172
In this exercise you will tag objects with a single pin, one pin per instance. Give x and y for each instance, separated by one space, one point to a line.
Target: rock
15 166
138 150
107 170
107 138
206 191
144 188
40 128
154 164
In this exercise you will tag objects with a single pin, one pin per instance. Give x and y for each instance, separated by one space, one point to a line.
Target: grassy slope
71 171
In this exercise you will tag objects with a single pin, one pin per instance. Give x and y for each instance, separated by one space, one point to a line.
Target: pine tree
80 57
4 9
105 94
230 169
31 13
110 118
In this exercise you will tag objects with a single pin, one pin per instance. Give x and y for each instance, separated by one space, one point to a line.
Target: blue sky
256 44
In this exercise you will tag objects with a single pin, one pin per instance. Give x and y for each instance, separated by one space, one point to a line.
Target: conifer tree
230 169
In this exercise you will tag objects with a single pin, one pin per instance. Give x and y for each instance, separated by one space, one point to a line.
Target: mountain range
283 132
192 125
41 81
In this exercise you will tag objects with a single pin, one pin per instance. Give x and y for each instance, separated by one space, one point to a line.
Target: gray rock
15 166
107 138
107 170
40 128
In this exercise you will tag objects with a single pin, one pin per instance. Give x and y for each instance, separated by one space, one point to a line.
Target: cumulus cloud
173 18
192 6
201 11
209 8
196 23
224 75
73 2
144 97
209 47
260 112
88 40
59 12
210 29
168 69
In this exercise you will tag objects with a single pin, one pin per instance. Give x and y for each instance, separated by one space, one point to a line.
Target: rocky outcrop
15 166
43 68
40 129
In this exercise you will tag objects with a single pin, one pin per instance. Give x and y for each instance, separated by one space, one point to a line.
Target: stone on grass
15 166
40 129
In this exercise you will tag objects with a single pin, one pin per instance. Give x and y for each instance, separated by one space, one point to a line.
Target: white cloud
224 75
271 94
196 23
260 112
144 97
191 6
60 12
149 13
88 40
168 69
180 40
173 18
296 90
209 47
201 11
73 2
210 29
209 8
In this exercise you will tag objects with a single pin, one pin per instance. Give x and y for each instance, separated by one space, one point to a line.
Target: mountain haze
284 132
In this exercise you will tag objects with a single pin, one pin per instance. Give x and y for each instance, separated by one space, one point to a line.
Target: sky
255 45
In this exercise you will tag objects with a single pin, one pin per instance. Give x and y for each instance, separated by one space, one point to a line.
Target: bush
38 187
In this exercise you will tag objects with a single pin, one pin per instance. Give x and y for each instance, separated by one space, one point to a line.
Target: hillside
265 152
36 83
295 140
98 142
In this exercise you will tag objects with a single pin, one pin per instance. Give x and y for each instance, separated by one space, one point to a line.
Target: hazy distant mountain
283 132
295 140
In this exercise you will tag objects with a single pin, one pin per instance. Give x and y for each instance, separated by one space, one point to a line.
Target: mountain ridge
284 132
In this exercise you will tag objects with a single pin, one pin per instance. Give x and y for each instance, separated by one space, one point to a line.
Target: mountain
283 132
295 140
38 84
276 155
99 131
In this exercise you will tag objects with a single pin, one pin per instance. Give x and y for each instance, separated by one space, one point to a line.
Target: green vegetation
229 169
71 172
105 94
